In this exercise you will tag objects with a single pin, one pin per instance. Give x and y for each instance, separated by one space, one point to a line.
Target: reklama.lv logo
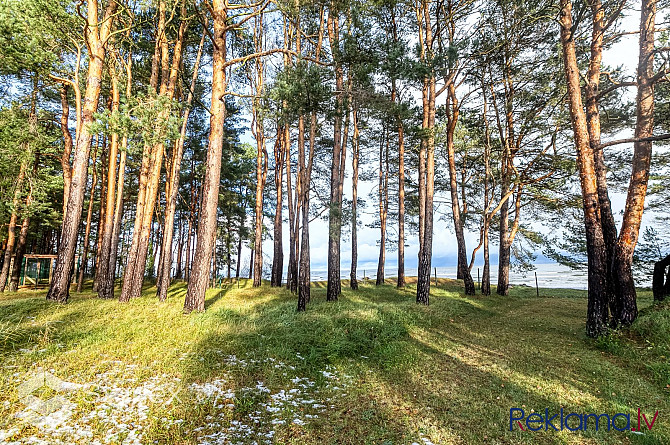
577 422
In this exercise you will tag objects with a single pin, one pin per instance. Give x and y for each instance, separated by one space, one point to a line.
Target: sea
549 275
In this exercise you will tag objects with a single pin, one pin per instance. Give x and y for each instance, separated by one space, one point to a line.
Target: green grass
395 372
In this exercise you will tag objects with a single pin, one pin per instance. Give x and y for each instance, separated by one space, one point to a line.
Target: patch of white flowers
117 408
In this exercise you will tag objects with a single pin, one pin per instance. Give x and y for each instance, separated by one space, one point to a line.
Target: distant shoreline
549 275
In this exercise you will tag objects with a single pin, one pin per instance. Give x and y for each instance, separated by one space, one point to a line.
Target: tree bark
115 213
596 323
661 282
191 219
304 279
11 229
20 251
485 285
291 208
261 176
278 250
426 163
102 269
100 228
504 247
96 37
626 309
294 264
131 274
172 191
239 251
89 215
251 261
67 145
258 125
422 166
383 207
353 281
151 165
452 119
180 246
197 284
334 286
593 123
401 205
401 171
108 291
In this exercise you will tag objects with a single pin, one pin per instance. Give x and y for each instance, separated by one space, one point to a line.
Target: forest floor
373 368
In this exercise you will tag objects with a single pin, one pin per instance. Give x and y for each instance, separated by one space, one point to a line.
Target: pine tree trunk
197 284
152 162
87 232
485 285
503 246
637 188
304 279
96 37
291 209
401 172
261 176
11 229
353 281
101 228
189 235
299 198
102 270
661 281
596 323
304 272
426 250
115 212
422 167
426 159
251 261
383 209
292 280
452 117
239 252
486 271
67 145
334 286
278 250
180 246
129 273
133 279
165 266
401 206
593 122
258 129
20 252
106 290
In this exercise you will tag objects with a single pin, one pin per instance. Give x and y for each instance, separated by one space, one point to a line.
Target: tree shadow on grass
178 291
409 374
34 329
219 293
449 372
278 346
351 335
